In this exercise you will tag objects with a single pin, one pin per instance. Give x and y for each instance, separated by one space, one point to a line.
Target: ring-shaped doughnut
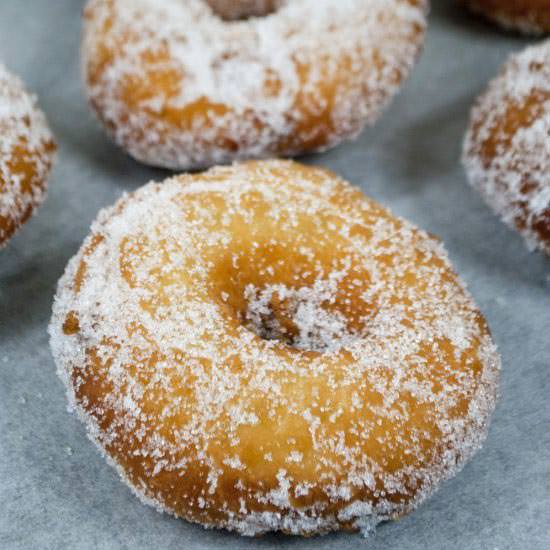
261 348
178 86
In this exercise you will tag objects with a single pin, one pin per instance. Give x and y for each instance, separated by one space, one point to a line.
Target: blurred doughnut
528 16
179 86
507 146
26 154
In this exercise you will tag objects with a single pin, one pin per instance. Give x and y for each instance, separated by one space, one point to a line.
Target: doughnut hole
235 10
307 298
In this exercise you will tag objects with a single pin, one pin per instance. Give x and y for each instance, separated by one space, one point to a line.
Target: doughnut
26 155
527 16
262 348
507 145
187 85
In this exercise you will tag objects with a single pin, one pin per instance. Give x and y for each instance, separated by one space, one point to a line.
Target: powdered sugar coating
507 146
26 151
526 16
181 88
373 382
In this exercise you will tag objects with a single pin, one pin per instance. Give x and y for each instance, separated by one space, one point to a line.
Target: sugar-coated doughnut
26 154
261 347
179 86
528 16
507 146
